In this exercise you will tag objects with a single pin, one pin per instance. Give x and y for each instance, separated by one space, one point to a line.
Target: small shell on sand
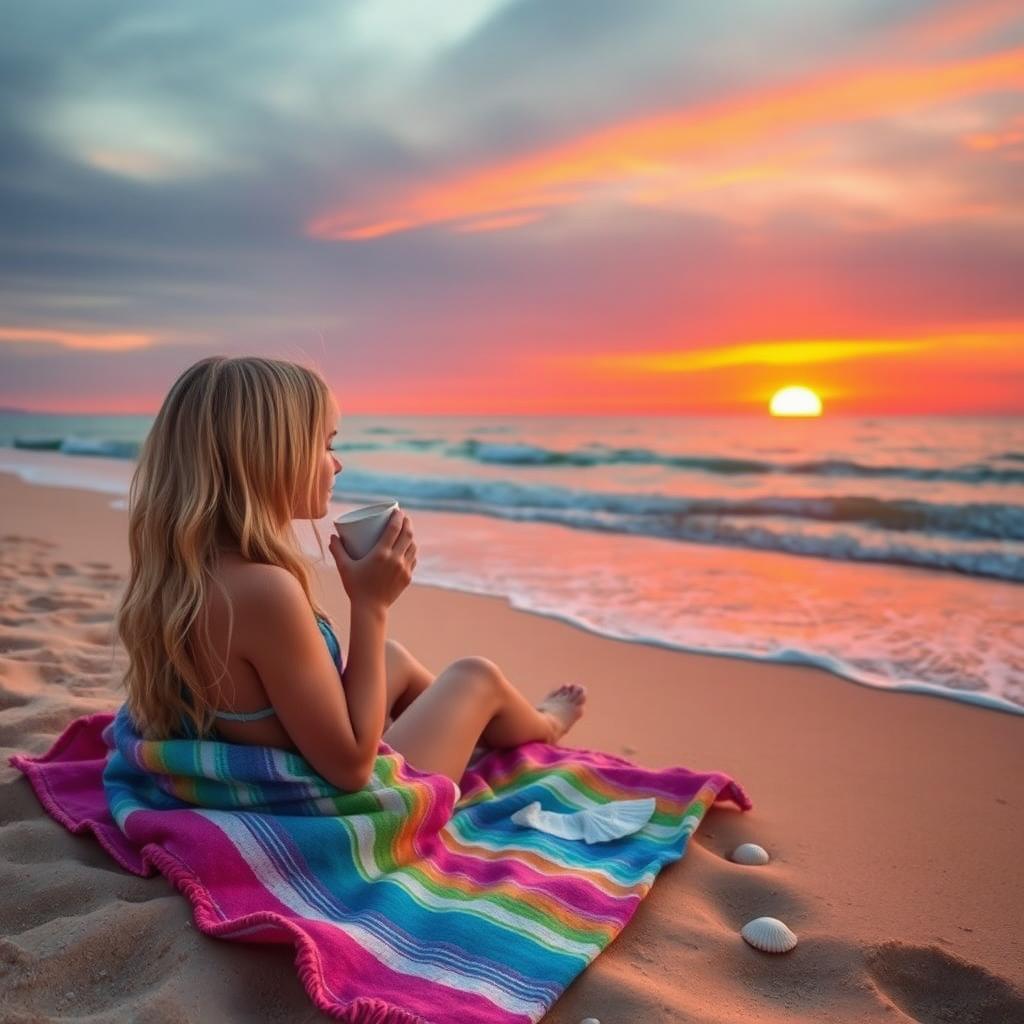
768 934
750 853
590 1020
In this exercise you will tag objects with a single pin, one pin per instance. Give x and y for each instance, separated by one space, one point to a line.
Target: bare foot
563 706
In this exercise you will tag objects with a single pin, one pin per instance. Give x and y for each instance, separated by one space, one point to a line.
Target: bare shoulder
261 596
266 593
278 635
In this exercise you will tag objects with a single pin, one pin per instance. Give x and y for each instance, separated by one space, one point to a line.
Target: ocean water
889 551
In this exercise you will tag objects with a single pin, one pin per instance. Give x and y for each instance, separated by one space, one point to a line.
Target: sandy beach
895 821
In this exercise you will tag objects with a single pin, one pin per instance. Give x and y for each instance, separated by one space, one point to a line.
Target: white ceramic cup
361 528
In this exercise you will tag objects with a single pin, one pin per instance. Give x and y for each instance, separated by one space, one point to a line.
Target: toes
572 692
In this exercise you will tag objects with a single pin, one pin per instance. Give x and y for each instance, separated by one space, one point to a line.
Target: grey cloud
538 71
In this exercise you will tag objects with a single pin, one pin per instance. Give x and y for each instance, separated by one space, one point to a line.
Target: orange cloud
960 22
498 223
798 352
1010 136
859 196
103 342
640 150
769 353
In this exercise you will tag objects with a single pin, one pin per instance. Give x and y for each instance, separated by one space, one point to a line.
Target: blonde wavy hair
236 442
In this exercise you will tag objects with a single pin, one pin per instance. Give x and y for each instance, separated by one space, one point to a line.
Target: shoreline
799 658
108 483
894 823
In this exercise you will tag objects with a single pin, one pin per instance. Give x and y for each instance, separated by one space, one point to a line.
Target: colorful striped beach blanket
412 901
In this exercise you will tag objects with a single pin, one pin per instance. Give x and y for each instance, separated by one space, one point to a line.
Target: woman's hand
381 575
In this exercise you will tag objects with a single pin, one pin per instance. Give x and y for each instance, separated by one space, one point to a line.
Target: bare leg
407 678
471 697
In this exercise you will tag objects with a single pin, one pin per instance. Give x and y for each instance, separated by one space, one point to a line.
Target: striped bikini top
332 645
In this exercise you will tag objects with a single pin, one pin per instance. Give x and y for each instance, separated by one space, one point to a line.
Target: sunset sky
578 206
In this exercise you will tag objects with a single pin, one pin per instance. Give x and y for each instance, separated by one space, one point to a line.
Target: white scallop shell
769 934
750 853
597 824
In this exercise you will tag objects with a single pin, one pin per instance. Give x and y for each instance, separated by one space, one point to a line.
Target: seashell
590 1020
596 824
769 934
750 853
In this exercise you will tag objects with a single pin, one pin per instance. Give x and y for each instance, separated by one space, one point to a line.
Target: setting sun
795 401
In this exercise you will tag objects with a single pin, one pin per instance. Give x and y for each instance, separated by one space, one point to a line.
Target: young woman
223 634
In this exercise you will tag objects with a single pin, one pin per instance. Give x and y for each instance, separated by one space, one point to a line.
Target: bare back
240 689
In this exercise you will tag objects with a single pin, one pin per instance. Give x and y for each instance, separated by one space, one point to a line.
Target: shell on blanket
597 824
750 853
768 934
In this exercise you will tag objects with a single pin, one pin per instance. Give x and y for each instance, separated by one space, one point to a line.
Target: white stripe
208 762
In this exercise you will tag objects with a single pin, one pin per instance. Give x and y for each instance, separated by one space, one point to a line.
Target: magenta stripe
346 976
675 783
573 889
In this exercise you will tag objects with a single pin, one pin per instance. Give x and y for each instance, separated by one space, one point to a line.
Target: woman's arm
286 648
365 680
